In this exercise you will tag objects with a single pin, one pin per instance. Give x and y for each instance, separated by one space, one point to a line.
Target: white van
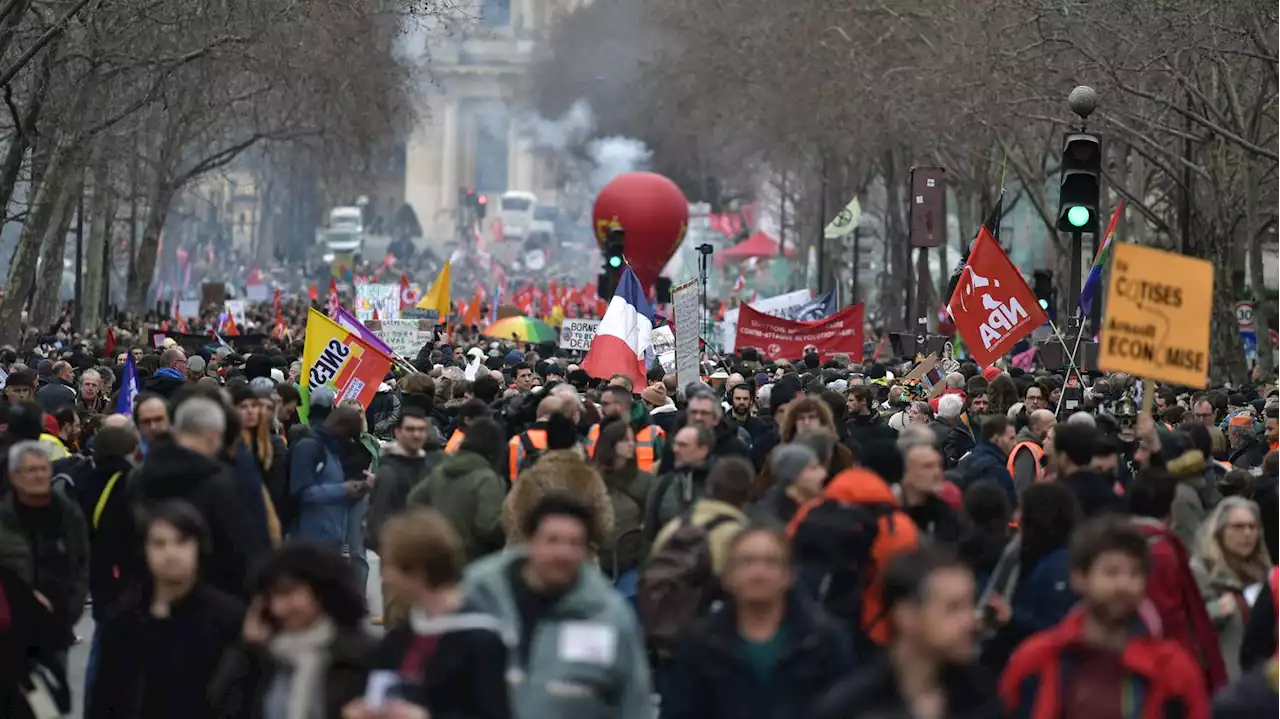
516 211
346 230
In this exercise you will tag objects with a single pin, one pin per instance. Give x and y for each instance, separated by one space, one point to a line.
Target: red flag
276 303
992 305
255 277
376 318
335 302
312 294
229 328
111 340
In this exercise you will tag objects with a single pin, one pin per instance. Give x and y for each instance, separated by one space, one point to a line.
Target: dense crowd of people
816 537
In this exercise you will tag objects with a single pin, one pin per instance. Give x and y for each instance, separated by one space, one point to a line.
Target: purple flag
353 324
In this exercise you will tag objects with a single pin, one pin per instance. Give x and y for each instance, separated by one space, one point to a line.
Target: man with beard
1102 660
742 398
865 424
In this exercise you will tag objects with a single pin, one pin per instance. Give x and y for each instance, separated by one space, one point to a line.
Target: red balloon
654 214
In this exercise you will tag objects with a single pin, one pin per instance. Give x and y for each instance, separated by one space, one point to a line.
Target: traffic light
1042 285
482 205
614 260
1081 183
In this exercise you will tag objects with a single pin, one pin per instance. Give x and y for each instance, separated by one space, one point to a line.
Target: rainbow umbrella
525 329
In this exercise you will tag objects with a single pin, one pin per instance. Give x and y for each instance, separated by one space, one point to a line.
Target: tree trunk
149 247
102 212
11 167
1257 281
22 267
48 296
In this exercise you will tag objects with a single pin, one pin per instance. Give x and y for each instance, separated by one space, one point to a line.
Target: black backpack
677 584
531 453
832 550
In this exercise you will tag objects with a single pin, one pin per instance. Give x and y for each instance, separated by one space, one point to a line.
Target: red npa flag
992 305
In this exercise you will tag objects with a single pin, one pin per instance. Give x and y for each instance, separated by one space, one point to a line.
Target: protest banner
404 337
238 310
1158 314
576 334
189 309
662 339
383 299
256 292
685 300
339 359
799 305
779 338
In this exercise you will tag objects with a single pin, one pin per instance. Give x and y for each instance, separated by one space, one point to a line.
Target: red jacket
1032 684
1171 587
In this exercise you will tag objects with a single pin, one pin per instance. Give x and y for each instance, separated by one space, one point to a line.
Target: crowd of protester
816 538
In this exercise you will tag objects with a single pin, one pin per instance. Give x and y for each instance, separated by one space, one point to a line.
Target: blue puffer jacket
316 483
986 461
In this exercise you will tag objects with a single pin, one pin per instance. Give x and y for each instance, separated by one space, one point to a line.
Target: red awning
757 245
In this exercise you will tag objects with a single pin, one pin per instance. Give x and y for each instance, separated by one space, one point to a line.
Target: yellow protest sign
1158 313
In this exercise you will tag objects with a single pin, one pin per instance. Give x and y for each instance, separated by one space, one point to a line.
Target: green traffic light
1078 216
615 261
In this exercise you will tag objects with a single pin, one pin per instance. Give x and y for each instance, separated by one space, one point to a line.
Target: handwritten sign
405 337
685 299
576 334
1158 313
384 299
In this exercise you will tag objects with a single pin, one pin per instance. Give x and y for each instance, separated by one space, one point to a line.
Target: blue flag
128 387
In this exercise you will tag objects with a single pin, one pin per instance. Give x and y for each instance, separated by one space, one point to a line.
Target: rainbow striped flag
1093 282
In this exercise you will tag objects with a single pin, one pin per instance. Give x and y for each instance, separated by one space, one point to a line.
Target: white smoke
585 162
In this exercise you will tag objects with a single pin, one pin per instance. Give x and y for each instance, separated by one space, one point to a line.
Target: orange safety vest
645 441
455 441
1036 452
537 437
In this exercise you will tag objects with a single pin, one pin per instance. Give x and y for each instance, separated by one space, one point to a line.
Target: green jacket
587 659
465 488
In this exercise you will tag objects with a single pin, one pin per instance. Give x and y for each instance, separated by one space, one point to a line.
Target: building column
449 152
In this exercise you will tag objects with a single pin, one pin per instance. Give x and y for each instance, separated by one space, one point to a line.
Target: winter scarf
306 655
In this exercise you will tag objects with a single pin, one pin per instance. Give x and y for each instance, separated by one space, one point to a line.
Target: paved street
79 654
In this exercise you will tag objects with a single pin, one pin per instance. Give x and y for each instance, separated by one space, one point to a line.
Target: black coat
29 635
711 678
153 668
113 540
173 472
937 520
241 681
865 429
450 665
1095 491
873 692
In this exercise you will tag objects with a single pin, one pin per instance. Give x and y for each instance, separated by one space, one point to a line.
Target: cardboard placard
576 334
1158 313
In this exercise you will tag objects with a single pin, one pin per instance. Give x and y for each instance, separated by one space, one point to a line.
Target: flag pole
1071 359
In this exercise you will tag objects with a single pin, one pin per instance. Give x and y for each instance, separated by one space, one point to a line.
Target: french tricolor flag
622 344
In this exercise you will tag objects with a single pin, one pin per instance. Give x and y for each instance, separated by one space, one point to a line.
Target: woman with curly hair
805 413
302 652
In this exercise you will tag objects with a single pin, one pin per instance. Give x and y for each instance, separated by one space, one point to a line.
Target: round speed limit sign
1244 315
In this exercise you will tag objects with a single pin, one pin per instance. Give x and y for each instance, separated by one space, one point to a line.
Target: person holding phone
303 652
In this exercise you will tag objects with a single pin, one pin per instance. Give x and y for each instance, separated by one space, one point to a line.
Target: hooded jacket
399 471
114 540
558 470
987 461
665 417
316 482
605 673
175 472
672 495
165 382
466 488
896 534
1172 589
1164 678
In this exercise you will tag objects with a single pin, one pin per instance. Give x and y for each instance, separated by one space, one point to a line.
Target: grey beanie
787 461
